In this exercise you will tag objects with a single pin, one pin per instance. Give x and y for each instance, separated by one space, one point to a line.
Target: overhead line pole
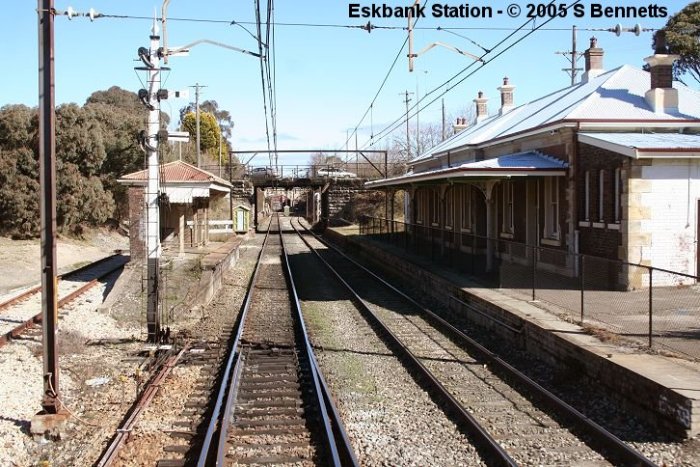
51 401
197 87
408 138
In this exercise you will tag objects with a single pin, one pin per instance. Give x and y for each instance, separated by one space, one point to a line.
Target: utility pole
196 104
408 137
572 56
51 401
443 119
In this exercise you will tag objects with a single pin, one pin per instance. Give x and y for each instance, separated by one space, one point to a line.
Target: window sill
506 235
614 226
584 223
448 227
550 242
434 224
463 230
598 225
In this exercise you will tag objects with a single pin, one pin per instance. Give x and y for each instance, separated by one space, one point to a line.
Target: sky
326 74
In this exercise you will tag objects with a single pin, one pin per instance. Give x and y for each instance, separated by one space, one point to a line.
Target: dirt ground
20 260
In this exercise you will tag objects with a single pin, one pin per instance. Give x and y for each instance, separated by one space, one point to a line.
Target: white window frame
420 208
434 206
465 206
587 191
507 203
601 191
618 195
551 211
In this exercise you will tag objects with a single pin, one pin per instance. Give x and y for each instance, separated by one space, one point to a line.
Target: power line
381 86
364 27
392 126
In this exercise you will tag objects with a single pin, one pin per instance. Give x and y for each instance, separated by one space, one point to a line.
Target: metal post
152 190
582 263
255 206
196 103
47 179
534 272
651 303
230 197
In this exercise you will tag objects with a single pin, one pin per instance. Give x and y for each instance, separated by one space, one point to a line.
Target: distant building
608 167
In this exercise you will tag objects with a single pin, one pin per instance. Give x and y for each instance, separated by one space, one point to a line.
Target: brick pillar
636 240
137 234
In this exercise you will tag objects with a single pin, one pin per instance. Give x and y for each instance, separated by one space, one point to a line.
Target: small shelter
186 194
241 218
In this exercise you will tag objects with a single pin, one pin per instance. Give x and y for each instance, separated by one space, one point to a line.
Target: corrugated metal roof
657 141
533 160
615 95
520 164
178 171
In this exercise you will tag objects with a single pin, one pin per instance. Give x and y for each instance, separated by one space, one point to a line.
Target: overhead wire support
399 121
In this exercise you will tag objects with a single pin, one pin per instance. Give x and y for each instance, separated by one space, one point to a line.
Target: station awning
524 164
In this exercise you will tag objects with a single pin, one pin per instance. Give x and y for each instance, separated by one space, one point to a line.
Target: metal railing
612 298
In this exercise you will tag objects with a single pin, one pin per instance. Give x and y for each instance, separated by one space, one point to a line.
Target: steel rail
38 318
626 453
233 358
336 435
109 455
492 448
11 301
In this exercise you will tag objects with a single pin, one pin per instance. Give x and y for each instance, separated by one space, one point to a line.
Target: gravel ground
389 418
96 411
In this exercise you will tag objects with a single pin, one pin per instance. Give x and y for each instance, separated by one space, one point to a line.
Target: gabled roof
177 172
512 165
617 95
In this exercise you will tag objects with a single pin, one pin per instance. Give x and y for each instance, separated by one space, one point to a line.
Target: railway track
273 406
18 314
512 420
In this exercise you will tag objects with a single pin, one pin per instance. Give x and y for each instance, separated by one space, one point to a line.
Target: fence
614 298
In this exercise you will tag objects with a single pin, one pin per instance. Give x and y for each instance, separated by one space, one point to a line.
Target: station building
609 167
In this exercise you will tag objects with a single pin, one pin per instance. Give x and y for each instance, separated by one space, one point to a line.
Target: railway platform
661 387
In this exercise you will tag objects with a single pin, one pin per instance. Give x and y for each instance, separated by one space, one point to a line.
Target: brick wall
598 240
137 233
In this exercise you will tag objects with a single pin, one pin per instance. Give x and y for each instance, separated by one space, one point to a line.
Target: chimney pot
507 101
594 61
661 97
481 107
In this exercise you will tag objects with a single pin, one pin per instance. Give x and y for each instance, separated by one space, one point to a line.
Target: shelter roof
530 163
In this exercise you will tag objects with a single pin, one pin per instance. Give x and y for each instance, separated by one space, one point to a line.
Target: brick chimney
661 97
481 109
460 125
594 61
507 102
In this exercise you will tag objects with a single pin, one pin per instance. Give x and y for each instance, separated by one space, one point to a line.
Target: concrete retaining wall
214 266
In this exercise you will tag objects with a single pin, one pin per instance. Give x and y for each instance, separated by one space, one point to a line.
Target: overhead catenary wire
388 129
381 86
262 74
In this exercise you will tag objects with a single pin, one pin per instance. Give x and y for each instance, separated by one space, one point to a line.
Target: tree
682 34
208 131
